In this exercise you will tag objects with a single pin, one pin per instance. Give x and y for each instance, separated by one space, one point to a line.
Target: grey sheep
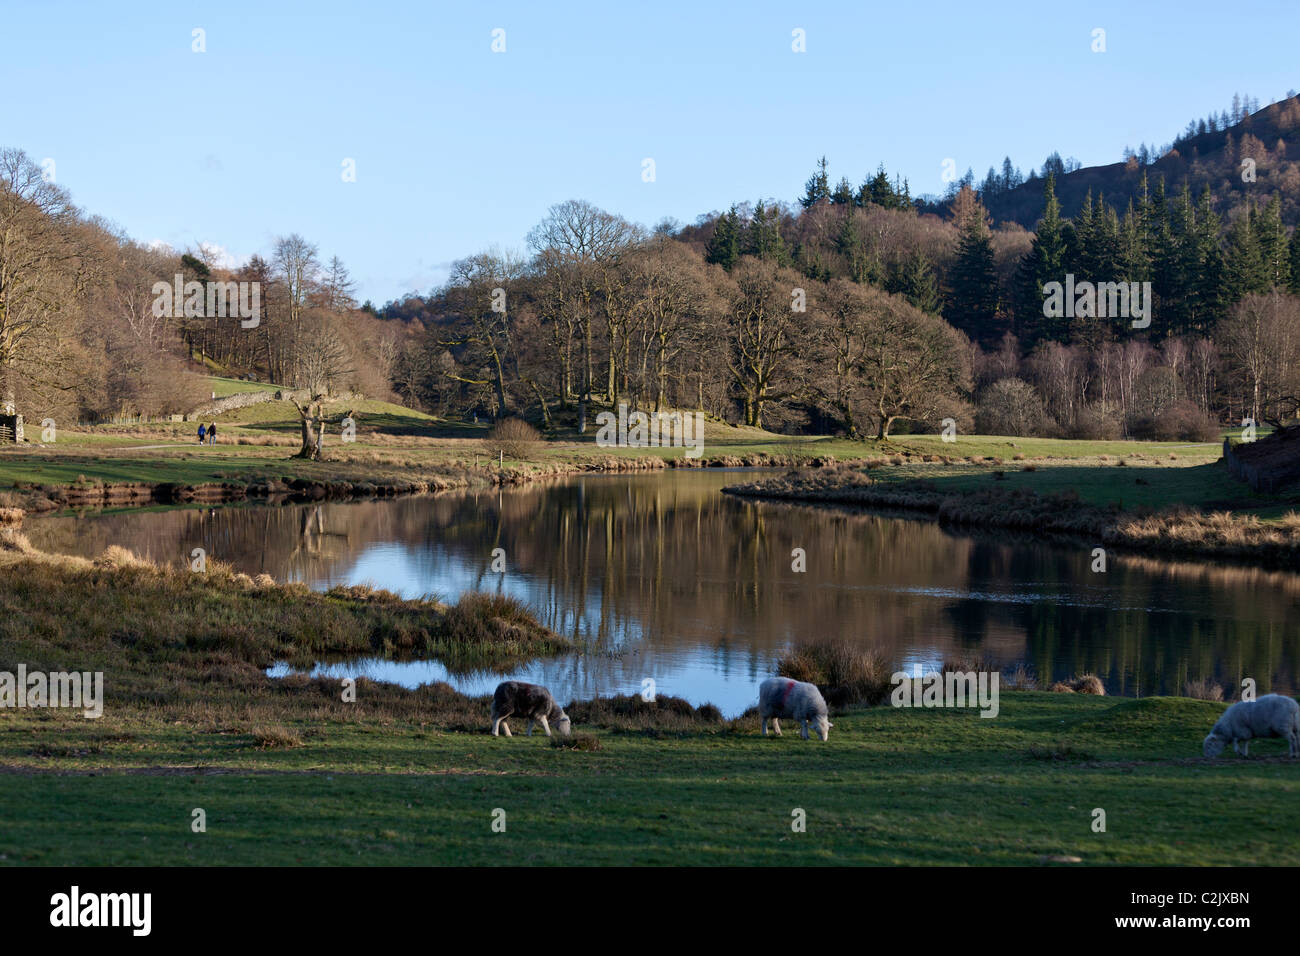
798 700
515 698
1272 715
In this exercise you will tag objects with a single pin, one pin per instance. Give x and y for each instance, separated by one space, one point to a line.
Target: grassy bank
399 443
890 786
1154 497
289 772
165 635
1054 505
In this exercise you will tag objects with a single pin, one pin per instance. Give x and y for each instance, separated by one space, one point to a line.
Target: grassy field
890 786
407 450
287 771
259 440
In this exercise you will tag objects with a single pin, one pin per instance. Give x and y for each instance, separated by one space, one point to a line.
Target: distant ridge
1270 136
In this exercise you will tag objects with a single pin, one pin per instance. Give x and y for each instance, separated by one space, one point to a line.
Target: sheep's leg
764 726
1245 748
803 731
506 727
545 726
530 726
776 725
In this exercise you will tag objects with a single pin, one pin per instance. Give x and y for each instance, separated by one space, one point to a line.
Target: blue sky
458 148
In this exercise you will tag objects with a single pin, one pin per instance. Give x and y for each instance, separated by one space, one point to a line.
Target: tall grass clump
1203 689
1082 684
494 623
847 674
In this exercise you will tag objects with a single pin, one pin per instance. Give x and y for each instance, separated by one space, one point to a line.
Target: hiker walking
202 432
212 434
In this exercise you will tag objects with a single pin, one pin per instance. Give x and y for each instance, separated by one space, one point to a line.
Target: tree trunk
312 431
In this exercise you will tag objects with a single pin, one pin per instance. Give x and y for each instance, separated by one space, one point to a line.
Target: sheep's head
1213 745
563 725
824 726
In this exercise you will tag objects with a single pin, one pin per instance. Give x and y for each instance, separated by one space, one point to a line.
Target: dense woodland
857 309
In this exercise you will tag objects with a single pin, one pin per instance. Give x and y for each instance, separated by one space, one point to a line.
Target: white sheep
527 700
798 700
1272 715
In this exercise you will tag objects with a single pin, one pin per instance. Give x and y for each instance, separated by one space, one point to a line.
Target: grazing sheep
1272 715
527 700
782 697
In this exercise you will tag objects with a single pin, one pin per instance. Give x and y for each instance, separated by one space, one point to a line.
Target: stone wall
243 400
11 428
1267 465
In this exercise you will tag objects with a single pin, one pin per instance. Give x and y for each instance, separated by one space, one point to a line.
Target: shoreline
45 499
1062 518
187 706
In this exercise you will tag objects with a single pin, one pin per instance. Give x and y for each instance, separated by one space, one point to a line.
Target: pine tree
877 190
1181 267
973 282
843 193
1133 264
1295 262
902 194
1274 248
991 188
723 247
1079 252
763 237
1043 263
1105 252
1208 282
818 187
1244 269
914 280
849 244
1011 177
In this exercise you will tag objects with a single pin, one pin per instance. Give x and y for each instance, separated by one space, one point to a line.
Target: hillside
1270 136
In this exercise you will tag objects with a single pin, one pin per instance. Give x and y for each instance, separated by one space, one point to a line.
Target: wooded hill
1206 154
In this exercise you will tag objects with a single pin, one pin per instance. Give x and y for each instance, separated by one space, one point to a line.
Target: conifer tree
1208 282
1133 263
1274 248
723 247
1043 263
763 237
818 187
973 281
914 279
1295 261
843 193
1244 270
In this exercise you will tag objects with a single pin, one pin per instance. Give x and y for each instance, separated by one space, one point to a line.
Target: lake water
660 576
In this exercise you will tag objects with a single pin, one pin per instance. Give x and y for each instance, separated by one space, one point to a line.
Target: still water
661 576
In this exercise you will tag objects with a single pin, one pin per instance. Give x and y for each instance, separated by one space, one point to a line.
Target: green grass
289 772
891 786
1005 447
397 442
1142 482
225 387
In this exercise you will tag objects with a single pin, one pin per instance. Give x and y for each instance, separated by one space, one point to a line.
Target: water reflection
661 576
